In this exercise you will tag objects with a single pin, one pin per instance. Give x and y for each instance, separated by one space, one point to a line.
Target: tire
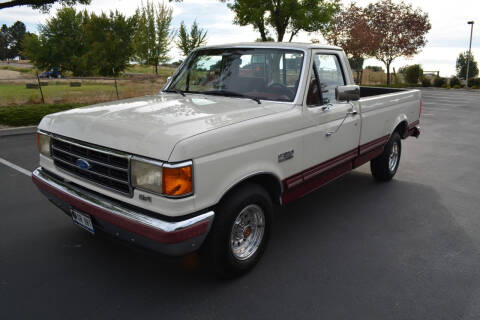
385 166
235 248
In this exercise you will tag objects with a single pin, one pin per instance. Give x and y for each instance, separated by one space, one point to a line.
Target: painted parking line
464 101
15 167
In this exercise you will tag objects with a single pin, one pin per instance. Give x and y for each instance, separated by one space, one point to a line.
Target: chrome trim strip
89 160
147 160
115 209
177 165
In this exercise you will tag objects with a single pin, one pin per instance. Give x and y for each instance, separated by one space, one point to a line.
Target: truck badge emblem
83 164
285 156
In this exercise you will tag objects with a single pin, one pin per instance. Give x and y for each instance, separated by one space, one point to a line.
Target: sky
449 35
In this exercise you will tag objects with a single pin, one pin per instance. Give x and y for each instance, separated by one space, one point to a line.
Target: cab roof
278 45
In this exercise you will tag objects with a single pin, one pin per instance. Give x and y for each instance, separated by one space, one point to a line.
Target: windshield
268 74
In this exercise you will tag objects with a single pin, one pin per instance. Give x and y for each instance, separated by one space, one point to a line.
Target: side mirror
347 93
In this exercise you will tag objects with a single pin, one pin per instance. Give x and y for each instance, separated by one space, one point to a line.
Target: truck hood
151 126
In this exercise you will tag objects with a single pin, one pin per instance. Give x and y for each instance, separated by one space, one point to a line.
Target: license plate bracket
82 220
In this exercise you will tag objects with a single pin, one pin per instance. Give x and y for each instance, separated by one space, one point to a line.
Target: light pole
469 50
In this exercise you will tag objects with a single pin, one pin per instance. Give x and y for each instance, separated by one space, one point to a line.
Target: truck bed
376 91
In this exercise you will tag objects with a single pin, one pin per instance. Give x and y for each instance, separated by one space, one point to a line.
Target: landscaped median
30 115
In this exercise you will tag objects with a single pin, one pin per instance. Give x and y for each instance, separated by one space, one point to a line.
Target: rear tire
240 230
385 166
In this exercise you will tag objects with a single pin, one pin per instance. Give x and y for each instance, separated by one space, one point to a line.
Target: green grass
19 94
27 115
22 70
143 69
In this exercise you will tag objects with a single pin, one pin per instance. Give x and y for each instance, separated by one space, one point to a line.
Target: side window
330 75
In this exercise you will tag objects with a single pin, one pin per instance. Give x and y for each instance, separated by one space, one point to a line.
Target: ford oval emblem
83 164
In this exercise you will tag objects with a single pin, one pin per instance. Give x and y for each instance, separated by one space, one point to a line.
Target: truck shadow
344 246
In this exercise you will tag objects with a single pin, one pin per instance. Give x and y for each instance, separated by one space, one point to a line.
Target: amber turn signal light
177 182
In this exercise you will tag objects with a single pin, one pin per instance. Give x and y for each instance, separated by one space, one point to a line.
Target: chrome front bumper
128 223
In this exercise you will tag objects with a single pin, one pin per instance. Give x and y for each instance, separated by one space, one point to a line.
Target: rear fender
401 123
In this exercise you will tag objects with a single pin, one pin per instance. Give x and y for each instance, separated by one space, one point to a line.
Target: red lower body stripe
313 178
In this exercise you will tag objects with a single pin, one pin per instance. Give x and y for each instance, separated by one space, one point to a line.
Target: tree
82 43
43 5
153 36
269 39
413 73
16 34
109 41
4 42
61 43
462 61
11 39
349 30
188 41
284 16
399 29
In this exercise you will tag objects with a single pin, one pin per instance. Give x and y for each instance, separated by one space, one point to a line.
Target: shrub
454 81
413 73
374 68
26 115
439 82
457 86
474 82
426 82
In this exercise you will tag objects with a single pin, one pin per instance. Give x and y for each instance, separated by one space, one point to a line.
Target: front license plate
83 220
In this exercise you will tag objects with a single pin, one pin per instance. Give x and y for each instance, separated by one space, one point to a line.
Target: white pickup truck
237 130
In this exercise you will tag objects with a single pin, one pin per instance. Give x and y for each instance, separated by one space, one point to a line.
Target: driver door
333 130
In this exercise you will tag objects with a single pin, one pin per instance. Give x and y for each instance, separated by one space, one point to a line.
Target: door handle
352 112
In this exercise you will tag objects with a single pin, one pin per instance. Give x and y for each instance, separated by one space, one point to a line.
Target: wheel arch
269 181
400 125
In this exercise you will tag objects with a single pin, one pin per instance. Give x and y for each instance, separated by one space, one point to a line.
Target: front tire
240 231
385 166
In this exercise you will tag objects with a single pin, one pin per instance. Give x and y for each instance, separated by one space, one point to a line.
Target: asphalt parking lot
355 249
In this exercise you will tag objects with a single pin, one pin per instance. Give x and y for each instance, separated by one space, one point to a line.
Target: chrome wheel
393 158
247 232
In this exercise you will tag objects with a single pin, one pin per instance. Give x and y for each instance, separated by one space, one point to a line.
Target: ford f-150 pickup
237 130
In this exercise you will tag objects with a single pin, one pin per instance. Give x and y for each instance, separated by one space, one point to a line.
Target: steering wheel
281 89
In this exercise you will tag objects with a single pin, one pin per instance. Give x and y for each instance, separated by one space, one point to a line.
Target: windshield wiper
176 91
232 94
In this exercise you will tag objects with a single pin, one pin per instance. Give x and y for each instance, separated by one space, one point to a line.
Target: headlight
172 180
147 175
43 144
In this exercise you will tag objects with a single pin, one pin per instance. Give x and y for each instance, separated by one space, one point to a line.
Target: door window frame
315 72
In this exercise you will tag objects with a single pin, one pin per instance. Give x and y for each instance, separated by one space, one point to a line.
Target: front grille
107 168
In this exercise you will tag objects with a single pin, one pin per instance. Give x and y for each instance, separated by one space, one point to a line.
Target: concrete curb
17 131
